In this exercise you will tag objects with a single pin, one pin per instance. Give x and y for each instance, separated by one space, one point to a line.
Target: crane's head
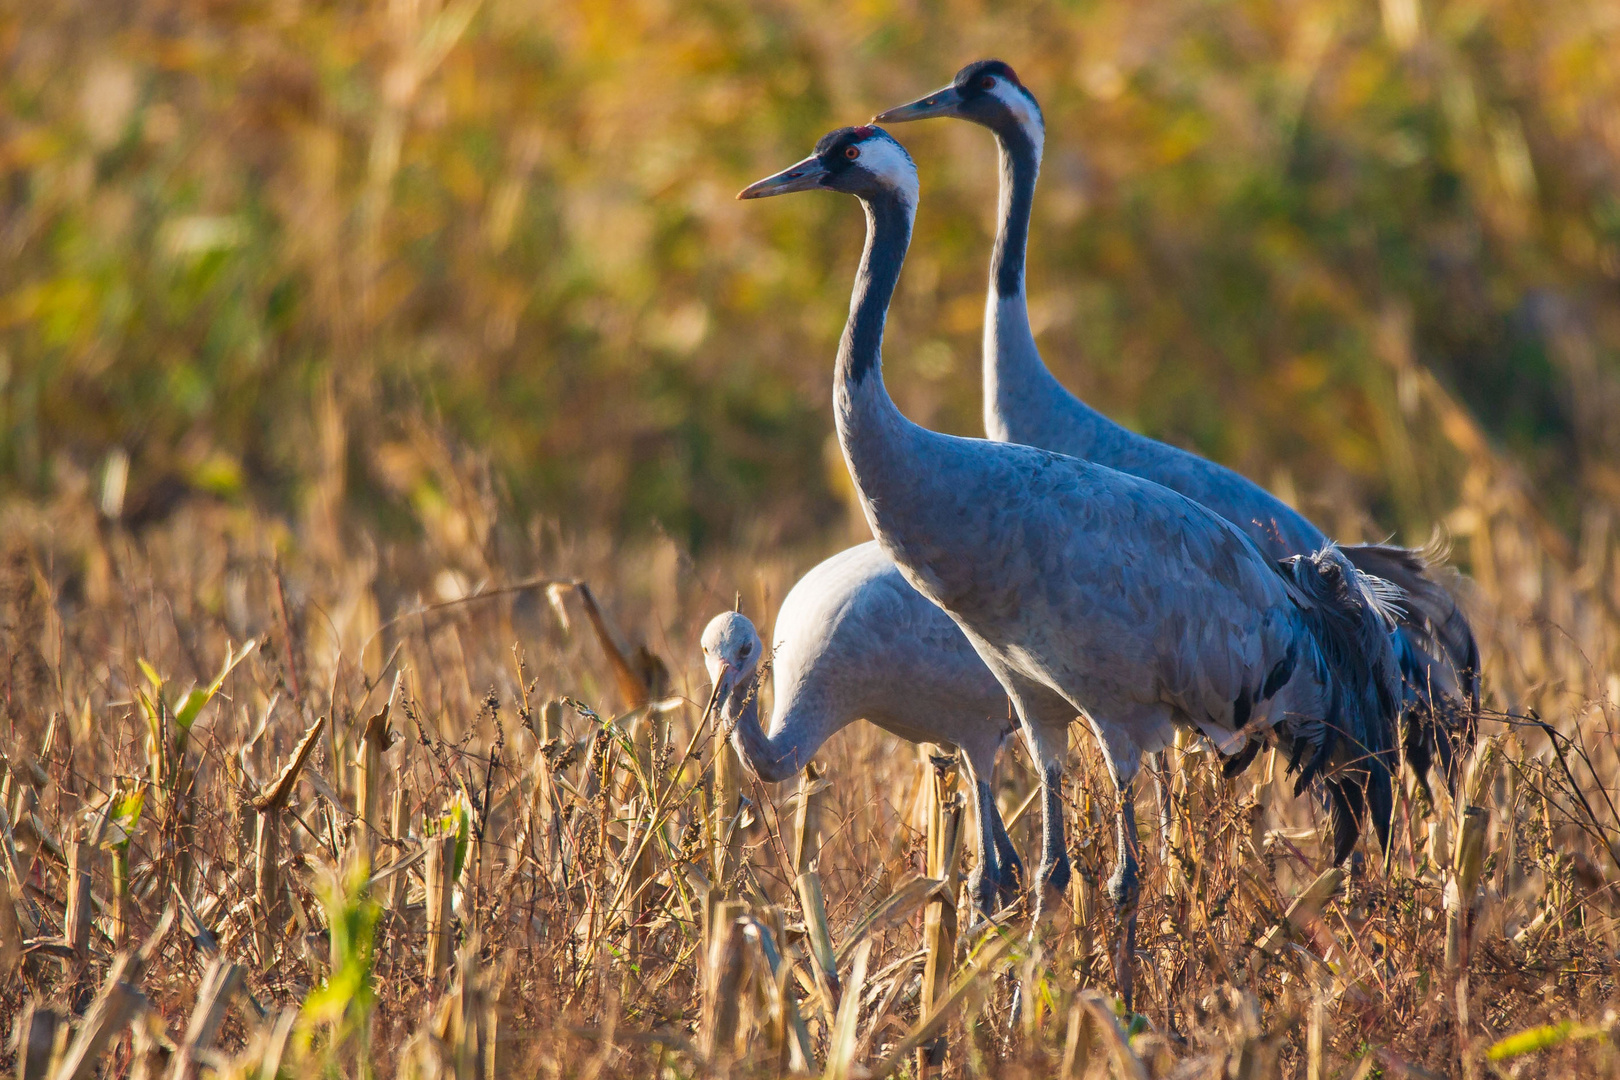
863 161
985 92
731 649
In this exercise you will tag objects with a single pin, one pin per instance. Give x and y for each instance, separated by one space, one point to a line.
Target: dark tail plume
1350 617
1347 810
1439 660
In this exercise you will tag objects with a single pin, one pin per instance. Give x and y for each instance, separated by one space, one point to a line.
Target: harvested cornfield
390 392
363 814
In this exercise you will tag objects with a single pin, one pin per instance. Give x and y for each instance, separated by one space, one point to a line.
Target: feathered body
854 641
1025 403
1139 607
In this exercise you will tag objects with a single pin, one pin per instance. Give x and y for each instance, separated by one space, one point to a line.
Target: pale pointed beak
725 677
943 102
717 693
807 175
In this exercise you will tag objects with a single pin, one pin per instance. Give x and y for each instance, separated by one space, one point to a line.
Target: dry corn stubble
645 905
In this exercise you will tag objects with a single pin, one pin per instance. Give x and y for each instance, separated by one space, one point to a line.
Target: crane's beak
807 175
943 102
725 677
722 686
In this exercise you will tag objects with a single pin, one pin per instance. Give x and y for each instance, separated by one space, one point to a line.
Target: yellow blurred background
357 331
297 255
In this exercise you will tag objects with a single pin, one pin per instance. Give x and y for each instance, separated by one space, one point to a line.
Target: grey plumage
1024 403
854 641
1139 607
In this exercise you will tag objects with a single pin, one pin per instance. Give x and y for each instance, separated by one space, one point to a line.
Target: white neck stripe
1027 115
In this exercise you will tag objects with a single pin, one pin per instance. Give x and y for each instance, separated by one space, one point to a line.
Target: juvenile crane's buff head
731 649
861 161
986 92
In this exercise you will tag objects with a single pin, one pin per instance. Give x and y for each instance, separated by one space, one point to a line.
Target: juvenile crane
1024 403
1139 607
853 640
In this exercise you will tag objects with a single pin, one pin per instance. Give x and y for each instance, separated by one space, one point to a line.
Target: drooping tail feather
1346 808
1439 661
1349 799
1350 617
1381 801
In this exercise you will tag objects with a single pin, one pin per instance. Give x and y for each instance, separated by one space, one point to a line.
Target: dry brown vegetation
273 271
507 727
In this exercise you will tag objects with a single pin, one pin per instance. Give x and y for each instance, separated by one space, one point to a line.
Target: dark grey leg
985 883
1007 860
1124 889
1054 870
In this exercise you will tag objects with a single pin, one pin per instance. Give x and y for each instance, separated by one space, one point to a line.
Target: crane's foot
985 890
1125 964
1125 891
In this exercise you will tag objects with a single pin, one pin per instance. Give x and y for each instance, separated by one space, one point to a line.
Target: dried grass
477 837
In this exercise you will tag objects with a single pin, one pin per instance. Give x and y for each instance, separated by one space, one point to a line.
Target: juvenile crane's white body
854 641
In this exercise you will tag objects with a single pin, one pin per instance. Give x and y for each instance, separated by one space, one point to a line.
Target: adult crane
1025 403
1142 609
854 641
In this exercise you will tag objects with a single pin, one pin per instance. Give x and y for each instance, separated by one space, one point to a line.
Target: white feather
1024 110
888 161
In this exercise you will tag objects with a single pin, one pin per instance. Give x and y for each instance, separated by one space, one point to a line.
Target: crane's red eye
852 152
988 82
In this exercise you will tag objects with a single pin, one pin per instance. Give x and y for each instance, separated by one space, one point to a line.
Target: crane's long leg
1047 737
1124 889
1123 756
1044 718
1012 867
1049 749
1054 870
996 880
986 879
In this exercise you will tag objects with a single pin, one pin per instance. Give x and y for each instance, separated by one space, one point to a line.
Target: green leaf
192 704
154 734
457 821
185 714
351 918
126 816
152 677
1545 1037
461 812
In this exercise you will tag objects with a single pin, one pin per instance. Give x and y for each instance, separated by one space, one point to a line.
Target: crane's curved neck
866 417
888 235
740 713
893 462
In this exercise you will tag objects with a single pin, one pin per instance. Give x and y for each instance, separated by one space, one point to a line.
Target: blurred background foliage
327 258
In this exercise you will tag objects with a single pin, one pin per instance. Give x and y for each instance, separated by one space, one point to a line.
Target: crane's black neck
1020 165
888 234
